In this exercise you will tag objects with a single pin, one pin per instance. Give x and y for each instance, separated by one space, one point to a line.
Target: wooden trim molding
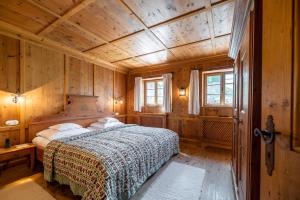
241 12
160 67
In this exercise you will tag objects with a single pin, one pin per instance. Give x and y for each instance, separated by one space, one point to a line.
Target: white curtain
167 100
194 97
138 94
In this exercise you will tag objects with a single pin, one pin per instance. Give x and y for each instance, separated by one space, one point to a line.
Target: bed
110 163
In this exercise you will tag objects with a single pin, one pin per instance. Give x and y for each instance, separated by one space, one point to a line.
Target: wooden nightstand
18 151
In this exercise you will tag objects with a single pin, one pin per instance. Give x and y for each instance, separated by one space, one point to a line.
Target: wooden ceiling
128 33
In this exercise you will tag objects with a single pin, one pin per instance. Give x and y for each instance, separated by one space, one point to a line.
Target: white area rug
27 190
174 181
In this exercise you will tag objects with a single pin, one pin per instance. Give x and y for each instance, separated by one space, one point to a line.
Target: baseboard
234 184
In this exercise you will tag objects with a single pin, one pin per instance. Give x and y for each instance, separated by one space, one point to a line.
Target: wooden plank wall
213 125
45 77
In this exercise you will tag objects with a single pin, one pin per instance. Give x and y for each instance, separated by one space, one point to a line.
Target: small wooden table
18 151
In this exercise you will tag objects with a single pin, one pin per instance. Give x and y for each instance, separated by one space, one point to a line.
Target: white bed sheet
40 142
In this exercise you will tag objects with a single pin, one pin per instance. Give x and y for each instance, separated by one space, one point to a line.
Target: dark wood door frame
243 10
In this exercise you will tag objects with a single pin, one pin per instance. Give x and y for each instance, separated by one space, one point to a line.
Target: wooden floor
217 183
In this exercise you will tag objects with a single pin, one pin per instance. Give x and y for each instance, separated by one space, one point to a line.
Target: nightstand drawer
15 155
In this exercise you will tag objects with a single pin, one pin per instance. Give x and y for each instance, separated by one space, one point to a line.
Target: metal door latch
268 135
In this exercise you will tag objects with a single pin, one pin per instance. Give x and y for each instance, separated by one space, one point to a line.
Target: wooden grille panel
217 131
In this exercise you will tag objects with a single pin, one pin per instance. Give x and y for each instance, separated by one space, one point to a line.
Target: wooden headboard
80 110
39 125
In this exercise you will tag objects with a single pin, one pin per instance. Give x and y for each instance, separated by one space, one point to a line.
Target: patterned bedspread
111 163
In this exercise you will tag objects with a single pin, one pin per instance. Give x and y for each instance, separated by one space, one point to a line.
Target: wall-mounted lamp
17 97
118 100
182 91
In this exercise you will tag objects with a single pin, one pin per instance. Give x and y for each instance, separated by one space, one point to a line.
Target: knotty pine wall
45 77
212 126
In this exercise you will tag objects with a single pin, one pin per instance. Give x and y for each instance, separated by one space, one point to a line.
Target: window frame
156 80
222 88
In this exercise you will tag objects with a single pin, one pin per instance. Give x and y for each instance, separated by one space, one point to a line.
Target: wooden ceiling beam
21 34
210 24
160 67
66 16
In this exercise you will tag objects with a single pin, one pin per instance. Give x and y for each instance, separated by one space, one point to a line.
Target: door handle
268 136
237 120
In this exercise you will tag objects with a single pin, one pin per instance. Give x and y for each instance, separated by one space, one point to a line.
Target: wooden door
278 95
243 113
235 149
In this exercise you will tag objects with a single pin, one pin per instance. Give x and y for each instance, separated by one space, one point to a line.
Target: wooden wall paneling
70 35
12 133
80 77
103 88
22 90
9 64
44 82
8 109
180 78
156 11
23 14
191 129
183 31
9 78
110 21
120 92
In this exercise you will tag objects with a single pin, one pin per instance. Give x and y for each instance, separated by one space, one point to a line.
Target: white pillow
105 125
52 134
65 126
108 119
47 133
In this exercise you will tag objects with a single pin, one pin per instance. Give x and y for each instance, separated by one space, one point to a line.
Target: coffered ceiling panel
139 44
222 44
131 63
129 33
158 57
58 6
155 11
73 37
187 30
25 15
222 18
109 53
107 19
194 50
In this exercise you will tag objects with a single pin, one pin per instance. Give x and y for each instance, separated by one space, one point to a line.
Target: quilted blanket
110 163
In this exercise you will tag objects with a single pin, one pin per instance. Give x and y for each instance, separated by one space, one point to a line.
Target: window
154 92
218 88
